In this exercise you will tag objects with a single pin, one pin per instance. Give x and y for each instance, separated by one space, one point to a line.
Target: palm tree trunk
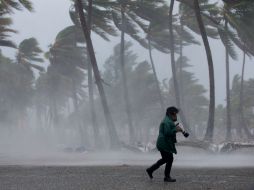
173 67
114 141
210 126
95 126
55 113
125 88
74 96
228 135
181 68
241 111
76 110
154 71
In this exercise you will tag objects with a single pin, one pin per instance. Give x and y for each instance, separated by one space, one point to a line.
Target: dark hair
172 110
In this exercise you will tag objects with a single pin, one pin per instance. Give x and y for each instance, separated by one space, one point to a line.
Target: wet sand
122 177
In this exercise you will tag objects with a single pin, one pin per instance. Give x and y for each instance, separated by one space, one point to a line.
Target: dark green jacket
167 136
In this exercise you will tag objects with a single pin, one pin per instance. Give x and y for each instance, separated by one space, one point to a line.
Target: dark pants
167 158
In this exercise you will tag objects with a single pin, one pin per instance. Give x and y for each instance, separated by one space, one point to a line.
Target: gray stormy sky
51 16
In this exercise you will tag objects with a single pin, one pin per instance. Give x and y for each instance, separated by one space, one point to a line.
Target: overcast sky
51 16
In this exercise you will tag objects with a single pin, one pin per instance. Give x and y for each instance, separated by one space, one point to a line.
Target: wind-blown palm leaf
40 68
188 18
65 49
7 43
8 5
130 28
186 36
70 34
240 18
101 19
29 50
5 31
225 38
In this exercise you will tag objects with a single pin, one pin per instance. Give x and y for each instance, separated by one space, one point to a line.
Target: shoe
169 179
150 174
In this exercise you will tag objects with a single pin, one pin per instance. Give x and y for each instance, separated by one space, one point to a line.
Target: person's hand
185 134
178 129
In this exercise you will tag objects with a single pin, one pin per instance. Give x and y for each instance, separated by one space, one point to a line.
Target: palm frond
7 43
227 43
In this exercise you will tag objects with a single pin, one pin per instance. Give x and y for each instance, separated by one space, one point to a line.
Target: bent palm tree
109 121
210 126
28 52
69 57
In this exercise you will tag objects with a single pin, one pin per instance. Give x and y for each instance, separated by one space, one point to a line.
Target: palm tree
154 71
124 80
28 52
157 33
90 81
173 66
185 39
99 22
7 7
68 60
228 136
195 103
210 126
242 121
109 121
172 42
238 15
123 17
228 37
156 36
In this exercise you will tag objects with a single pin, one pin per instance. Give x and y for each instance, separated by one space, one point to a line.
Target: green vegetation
62 93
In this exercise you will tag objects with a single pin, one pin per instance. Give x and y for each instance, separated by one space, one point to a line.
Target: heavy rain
87 89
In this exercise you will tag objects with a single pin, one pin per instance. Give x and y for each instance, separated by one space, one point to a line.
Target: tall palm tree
228 136
238 15
154 71
155 12
172 42
123 14
242 121
183 42
90 81
210 126
124 79
228 37
98 22
109 121
28 52
157 31
68 60
173 66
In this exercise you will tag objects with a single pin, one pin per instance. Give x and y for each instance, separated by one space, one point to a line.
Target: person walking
166 143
